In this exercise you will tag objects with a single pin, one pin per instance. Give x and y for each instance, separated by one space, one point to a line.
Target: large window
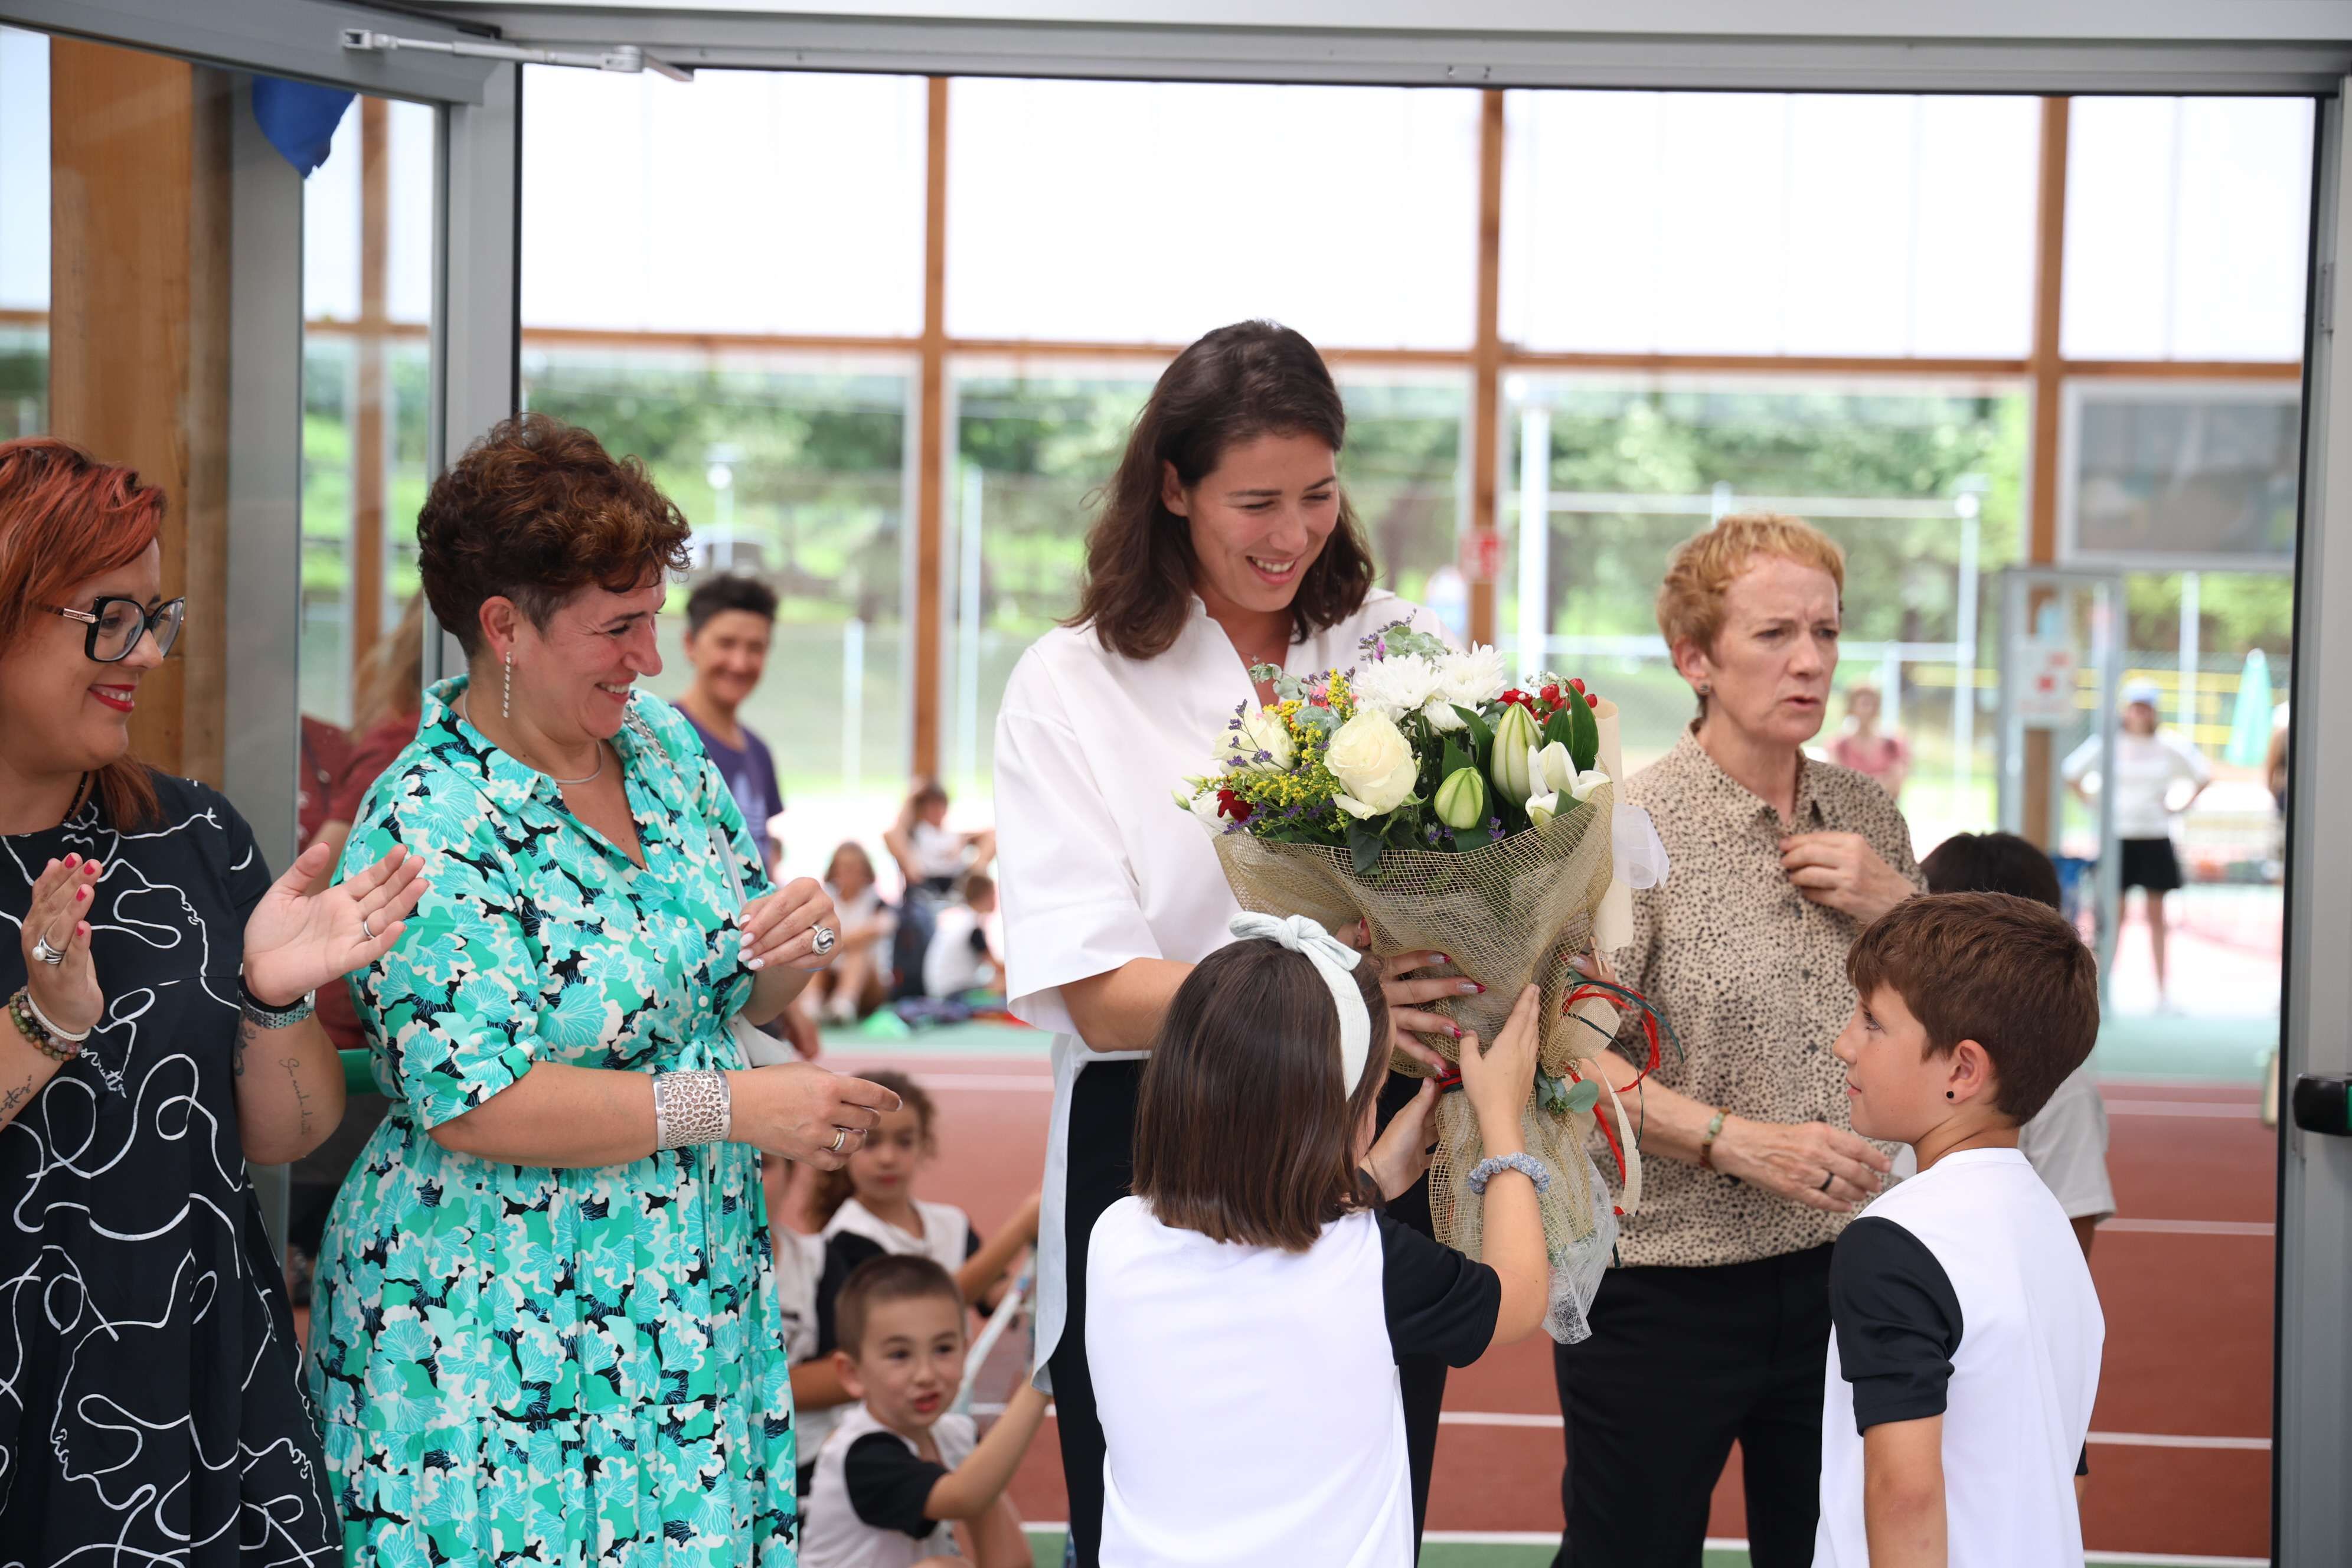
1920 485
1768 224
2186 226
792 470
24 237
1132 212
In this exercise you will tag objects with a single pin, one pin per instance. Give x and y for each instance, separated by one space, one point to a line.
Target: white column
967 731
1535 540
852 699
2190 620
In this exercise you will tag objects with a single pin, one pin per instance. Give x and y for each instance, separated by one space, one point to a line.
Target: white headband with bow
1336 961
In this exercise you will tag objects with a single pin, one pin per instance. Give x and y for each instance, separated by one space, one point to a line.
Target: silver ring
366 930
821 939
52 956
840 1137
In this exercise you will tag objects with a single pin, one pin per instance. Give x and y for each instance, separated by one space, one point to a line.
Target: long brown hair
1239 382
835 1188
64 517
1242 1129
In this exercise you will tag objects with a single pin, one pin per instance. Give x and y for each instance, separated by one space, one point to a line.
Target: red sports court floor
2181 1440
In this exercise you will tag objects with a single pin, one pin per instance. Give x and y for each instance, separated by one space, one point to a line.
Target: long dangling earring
505 700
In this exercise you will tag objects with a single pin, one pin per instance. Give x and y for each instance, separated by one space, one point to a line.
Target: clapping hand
65 990
297 941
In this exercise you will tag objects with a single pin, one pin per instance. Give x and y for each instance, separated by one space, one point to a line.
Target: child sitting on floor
1246 1307
900 1472
1964 1356
868 1208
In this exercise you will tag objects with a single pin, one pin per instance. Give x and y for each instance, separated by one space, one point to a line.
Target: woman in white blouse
1224 542
2149 759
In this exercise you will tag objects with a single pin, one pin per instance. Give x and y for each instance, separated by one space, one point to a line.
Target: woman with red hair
159 1035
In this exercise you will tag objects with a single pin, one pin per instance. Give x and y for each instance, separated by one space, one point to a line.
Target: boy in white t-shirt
1964 1357
900 1472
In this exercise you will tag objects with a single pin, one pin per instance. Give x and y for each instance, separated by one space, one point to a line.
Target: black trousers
1682 1361
1102 1171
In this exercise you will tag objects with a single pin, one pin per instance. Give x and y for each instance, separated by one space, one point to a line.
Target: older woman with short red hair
1716 1328
159 1036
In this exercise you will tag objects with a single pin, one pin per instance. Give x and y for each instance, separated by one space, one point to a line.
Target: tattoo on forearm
16 1096
246 1032
293 1067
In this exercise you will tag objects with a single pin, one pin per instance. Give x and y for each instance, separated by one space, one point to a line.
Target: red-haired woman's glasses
116 625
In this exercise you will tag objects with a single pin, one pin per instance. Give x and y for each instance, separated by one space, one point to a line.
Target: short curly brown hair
534 511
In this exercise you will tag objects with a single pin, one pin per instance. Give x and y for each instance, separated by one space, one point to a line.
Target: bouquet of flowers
1420 793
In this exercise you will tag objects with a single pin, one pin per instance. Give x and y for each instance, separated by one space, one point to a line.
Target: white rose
1375 767
1204 807
1262 744
1471 678
1394 686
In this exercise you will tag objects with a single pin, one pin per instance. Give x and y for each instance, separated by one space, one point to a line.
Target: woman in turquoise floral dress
545 1329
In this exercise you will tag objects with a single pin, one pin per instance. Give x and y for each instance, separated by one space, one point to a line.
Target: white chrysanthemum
1472 678
1395 685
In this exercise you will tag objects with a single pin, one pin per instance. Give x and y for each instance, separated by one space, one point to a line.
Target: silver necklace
465 712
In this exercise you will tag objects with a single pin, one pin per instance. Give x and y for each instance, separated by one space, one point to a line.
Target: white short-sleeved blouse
1097 863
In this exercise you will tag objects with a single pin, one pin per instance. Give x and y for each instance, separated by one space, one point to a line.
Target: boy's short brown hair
1242 1129
893 1276
2005 972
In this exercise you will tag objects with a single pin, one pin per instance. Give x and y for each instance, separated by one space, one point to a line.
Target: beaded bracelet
58 1048
691 1107
1527 1165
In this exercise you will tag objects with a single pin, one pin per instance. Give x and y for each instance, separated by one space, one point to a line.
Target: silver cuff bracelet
691 1107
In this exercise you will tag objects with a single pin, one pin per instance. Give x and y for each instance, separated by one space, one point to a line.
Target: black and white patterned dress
150 1403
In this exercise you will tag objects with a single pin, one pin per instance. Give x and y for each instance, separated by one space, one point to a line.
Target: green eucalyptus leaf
1582 1096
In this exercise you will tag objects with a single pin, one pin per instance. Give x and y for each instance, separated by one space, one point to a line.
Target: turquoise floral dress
522 1366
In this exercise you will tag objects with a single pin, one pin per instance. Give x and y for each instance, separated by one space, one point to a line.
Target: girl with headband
1247 1306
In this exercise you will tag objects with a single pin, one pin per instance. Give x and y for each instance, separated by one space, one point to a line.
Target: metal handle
2322 1102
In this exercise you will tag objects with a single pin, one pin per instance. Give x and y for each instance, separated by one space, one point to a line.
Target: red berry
1580 687
1551 694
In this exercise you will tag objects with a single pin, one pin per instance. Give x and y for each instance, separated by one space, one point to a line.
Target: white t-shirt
1962 1293
2066 1144
864 1506
1249 1398
2146 767
1097 863
957 961
938 851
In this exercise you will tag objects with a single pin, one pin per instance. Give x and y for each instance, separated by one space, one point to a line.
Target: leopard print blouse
1752 977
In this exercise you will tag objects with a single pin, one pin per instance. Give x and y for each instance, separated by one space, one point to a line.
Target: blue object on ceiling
300 117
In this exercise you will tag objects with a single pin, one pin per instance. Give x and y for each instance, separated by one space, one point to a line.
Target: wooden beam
931 445
2039 814
1483 447
138 338
368 439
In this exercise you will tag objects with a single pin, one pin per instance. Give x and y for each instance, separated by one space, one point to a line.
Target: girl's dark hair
833 1188
1242 1129
1239 382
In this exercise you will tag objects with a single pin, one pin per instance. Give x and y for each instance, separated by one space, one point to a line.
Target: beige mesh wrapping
1508 915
